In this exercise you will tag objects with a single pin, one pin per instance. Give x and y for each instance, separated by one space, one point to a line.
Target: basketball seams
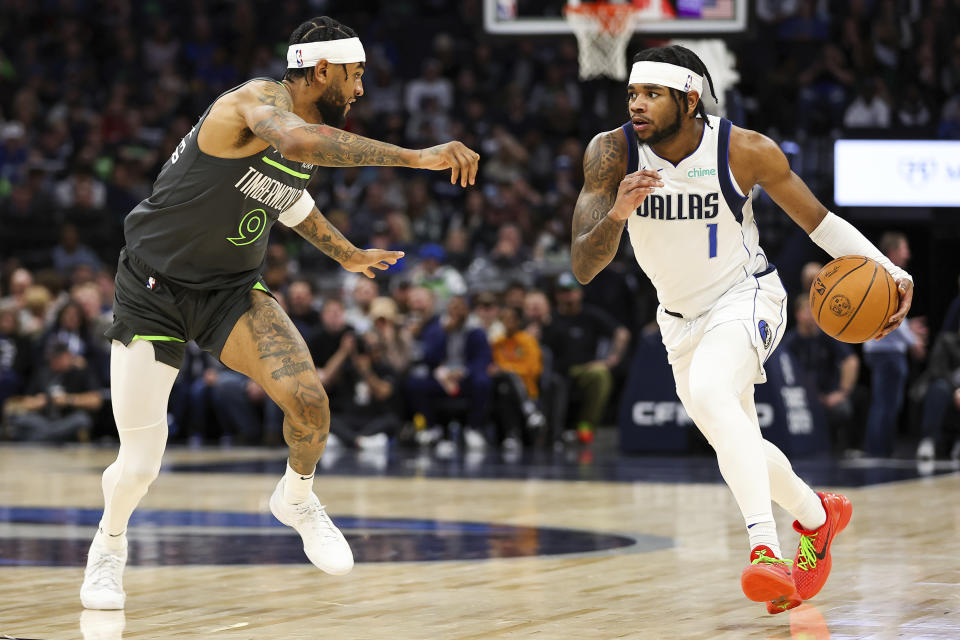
834 286
886 314
853 315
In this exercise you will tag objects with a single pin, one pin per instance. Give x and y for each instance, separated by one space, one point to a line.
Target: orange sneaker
767 578
784 604
811 566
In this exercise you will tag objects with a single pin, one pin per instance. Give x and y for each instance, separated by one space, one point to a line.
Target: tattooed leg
306 425
266 346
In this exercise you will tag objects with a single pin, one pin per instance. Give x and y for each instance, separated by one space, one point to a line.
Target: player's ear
320 71
693 98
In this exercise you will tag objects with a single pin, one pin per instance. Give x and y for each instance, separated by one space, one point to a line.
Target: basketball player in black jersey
191 271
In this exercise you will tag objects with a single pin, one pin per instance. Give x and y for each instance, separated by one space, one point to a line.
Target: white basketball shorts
759 302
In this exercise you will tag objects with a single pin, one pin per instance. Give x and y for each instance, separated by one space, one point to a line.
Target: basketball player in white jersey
681 182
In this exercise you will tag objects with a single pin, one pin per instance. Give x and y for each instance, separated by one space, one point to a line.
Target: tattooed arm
268 113
318 231
606 201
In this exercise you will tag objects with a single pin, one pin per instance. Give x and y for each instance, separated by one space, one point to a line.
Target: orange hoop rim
612 18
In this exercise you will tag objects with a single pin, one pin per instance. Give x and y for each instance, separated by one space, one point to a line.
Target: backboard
673 17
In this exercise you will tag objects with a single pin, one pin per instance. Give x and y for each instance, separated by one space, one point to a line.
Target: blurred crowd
480 334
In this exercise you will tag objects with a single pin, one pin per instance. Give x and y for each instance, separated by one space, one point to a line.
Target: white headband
666 74
307 54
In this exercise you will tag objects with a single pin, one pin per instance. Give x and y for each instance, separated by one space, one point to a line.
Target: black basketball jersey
205 225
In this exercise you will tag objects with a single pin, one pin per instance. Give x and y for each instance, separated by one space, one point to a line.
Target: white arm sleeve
838 237
298 211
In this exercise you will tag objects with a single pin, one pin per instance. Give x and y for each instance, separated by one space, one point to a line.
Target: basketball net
603 31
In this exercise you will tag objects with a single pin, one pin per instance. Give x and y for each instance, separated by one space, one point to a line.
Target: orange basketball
852 298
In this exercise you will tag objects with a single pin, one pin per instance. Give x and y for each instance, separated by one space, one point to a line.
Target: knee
707 397
140 475
305 402
598 376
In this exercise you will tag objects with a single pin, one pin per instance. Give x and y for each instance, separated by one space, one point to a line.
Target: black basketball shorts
147 307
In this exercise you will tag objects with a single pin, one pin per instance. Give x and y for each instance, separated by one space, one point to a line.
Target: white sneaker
102 625
926 450
377 441
445 449
323 543
474 440
103 578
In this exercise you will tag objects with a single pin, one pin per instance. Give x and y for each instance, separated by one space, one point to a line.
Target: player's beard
661 134
332 107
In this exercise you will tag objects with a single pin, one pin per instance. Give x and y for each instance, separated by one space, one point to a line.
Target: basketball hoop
603 30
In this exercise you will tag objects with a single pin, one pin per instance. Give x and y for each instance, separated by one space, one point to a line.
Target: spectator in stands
70 254
362 388
586 344
72 328
443 280
515 372
239 404
364 292
536 312
329 337
486 315
15 352
887 361
60 400
396 343
951 319
871 108
942 397
454 362
830 366
301 307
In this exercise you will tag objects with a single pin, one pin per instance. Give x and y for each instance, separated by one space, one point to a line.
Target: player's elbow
291 147
582 276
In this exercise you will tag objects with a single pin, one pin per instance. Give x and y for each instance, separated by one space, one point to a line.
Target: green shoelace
763 557
808 555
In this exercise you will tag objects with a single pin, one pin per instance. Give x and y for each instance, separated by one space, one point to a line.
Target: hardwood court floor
896 568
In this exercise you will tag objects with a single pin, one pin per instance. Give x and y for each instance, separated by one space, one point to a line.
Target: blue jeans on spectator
235 411
422 390
888 377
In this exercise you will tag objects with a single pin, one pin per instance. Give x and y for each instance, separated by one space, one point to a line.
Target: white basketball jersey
695 237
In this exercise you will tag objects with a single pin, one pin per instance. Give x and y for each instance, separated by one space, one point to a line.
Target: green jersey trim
157 338
260 287
276 164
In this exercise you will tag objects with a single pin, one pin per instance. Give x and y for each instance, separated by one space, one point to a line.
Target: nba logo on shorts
765 334
299 57
151 283
686 86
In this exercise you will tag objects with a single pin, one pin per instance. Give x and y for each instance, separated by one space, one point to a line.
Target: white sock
297 487
811 514
792 493
113 543
764 532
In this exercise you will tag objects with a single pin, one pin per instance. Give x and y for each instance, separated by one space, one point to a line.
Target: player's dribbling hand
633 189
454 155
366 260
905 288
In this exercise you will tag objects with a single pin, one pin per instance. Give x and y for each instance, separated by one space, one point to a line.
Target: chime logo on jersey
151 283
765 334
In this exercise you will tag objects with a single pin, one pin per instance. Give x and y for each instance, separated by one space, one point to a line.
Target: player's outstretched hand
366 260
633 189
456 156
905 287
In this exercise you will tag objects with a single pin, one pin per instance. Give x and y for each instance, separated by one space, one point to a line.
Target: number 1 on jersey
712 231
